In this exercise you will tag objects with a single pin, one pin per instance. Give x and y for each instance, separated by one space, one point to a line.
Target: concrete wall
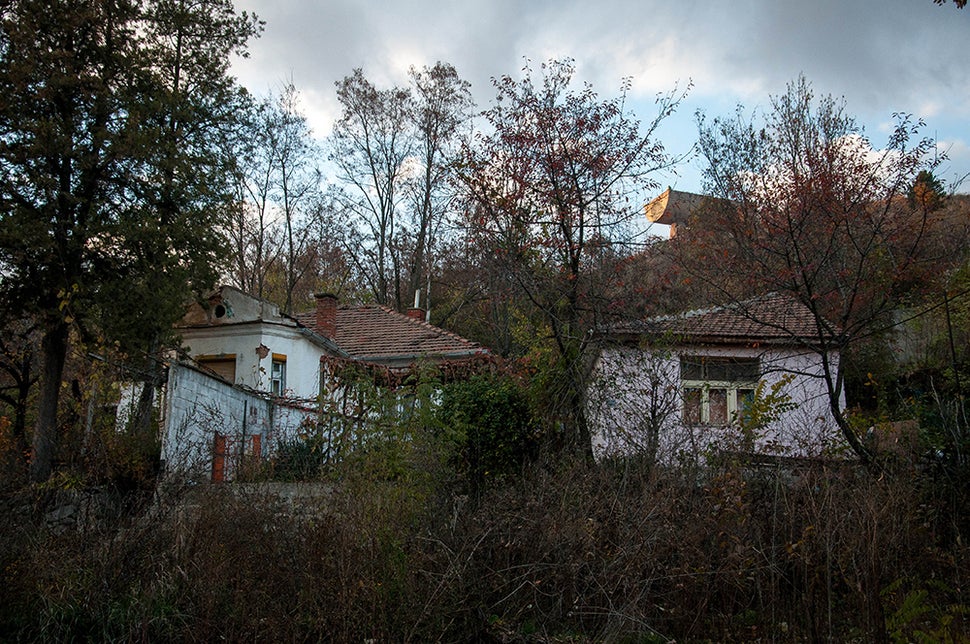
197 406
637 390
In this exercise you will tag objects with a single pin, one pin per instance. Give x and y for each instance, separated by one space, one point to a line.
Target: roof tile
373 332
770 317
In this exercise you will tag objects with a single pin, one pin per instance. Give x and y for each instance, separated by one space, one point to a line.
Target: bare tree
811 210
279 185
442 105
369 146
394 150
298 186
252 234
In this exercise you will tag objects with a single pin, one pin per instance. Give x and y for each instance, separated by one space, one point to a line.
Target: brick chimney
326 320
416 312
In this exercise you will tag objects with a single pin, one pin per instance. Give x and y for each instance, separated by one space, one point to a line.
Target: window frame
277 381
736 389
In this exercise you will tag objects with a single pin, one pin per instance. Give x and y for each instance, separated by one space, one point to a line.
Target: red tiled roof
375 333
770 318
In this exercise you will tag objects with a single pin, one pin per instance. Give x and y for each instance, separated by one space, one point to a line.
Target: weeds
615 552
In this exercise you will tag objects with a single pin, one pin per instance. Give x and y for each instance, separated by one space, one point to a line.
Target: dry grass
612 553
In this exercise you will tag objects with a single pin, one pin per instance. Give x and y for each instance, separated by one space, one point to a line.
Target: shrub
490 424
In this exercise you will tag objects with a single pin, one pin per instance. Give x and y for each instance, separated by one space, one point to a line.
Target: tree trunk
577 438
141 425
20 405
53 356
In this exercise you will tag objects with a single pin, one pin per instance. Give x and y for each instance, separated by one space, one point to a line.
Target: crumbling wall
211 429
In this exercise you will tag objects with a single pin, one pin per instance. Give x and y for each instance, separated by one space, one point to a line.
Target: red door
219 459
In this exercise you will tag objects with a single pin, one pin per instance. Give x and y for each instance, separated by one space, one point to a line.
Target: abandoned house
251 375
743 377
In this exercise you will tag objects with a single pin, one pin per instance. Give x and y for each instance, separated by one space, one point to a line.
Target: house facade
745 378
250 376
247 341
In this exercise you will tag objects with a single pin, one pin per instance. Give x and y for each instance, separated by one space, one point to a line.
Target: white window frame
732 389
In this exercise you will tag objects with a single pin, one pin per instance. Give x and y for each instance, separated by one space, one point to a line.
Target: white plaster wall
198 405
302 362
628 382
302 356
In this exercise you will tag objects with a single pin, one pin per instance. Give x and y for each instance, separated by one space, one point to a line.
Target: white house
684 386
247 341
251 375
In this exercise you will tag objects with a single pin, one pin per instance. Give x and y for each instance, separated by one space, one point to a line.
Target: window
223 364
717 389
278 374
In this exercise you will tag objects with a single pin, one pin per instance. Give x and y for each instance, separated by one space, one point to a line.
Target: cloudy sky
882 56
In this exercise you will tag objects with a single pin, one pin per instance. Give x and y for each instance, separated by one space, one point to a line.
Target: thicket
618 551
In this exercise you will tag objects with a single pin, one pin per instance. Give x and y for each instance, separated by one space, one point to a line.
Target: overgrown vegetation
438 524
442 520
565 552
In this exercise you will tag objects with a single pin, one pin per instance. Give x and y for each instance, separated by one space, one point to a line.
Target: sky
881 56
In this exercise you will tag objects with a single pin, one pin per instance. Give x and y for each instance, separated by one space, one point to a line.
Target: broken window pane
692 406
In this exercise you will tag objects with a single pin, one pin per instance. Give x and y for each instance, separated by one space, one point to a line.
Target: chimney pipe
326 318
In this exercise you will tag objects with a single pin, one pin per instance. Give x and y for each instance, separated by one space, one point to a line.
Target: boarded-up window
224 366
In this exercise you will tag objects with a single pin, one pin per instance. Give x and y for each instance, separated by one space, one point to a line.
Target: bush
490 424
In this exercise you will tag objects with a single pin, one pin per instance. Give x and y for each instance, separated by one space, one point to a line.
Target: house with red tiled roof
379 337
746 377
248 341
250 374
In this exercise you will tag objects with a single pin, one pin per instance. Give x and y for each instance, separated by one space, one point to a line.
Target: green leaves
490 423
113 127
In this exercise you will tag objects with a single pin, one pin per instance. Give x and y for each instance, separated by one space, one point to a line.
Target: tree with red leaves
809 209
553 188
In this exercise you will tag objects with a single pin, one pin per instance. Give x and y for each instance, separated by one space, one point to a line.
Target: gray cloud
882 55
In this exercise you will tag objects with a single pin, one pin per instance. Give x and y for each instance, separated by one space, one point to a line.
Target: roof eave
674 337
413 357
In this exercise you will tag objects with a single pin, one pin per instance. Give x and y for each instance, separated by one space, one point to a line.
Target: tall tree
393 149
299 181
195 103
443 104
279 185
109 120
369 146
808 208
552 188
252 230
